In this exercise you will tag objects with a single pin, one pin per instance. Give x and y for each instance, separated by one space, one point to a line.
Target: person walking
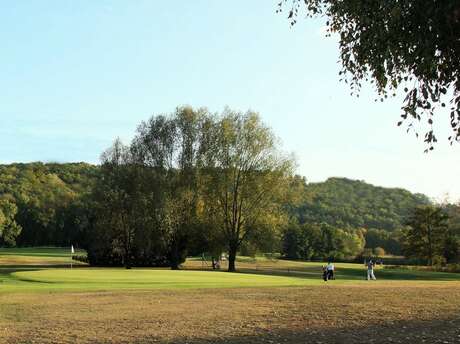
370 270
330 271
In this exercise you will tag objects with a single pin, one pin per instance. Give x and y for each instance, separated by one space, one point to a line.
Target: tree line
193 182
374 216
43 204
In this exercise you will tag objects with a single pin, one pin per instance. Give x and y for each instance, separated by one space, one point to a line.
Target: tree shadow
7 270
446 331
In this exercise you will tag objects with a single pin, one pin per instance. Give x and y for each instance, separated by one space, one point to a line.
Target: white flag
71 249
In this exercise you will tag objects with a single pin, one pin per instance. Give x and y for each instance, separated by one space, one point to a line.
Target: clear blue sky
77 74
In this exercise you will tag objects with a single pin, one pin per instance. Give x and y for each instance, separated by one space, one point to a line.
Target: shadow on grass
6 271
446 331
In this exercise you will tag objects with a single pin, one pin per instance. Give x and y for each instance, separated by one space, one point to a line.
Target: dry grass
348 310
400 311
26 260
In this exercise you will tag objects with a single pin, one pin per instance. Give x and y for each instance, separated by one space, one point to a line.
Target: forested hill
347 203
45 196
49 203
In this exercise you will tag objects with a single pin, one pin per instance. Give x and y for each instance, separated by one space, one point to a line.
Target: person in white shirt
370 270
330 270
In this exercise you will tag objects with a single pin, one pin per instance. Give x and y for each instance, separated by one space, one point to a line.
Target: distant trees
397 44
167 185
428 235
452 247
356 207
9 229
321 241
47 199
346 203
390 242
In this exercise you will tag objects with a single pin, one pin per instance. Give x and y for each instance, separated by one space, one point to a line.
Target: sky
74 75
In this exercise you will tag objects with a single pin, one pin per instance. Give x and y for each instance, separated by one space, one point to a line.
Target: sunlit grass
34 269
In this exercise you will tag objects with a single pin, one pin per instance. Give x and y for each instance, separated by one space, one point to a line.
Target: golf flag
71 249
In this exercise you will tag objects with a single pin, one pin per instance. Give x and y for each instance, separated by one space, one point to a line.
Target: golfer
330 271
370 270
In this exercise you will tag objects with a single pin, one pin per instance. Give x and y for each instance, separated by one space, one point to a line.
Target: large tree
412 44
244 177
168 145
427 234
118 203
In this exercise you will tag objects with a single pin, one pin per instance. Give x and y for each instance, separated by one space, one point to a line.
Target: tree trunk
174 261
231 259
126 258
430 247
174 256
213 262
127 261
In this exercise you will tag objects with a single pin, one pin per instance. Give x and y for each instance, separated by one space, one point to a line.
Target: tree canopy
428 235
9 229
245 179
189 180
44 200
411 45
192 183
356 215
60 204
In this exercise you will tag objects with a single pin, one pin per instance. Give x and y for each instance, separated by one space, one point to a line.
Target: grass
269 301
345 272
34 270
39 256
114 279
398 314
57 252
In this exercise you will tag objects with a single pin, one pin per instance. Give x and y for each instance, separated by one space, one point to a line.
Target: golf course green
49 269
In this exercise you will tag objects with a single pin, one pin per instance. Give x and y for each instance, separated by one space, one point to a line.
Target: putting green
100 278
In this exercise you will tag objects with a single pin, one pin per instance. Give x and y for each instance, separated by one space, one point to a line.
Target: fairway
48 269
99 278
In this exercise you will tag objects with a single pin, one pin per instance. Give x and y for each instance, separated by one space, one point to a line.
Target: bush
379 252
80 258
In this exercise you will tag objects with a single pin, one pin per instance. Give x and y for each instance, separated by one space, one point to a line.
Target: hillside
48 200
347 203
45 196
